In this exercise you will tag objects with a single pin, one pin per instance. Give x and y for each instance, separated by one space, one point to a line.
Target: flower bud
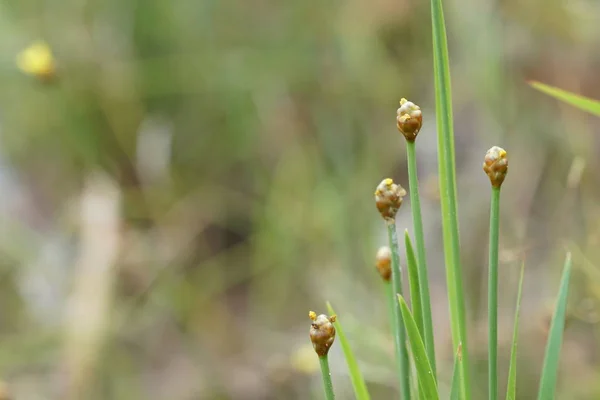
383 262
388 199
496 165
322 332
409 119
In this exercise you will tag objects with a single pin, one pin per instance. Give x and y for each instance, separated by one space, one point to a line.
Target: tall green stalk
326 374
447 181
493 295
415 205
400 334
495 166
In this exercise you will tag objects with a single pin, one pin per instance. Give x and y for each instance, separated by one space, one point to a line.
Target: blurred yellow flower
37 60
304 360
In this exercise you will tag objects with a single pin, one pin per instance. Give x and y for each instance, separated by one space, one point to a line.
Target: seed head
388 199
409 119
496 165
322 332
383 262
37 60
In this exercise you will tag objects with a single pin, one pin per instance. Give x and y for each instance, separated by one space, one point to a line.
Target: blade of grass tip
551 359
326 374
356 376
511 388
424 372
455 388
583 103
415 285
447 181
493 295
400 335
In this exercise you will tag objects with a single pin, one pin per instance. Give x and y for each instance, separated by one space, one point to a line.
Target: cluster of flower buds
495 165
409 119
383 262
322 332
388 199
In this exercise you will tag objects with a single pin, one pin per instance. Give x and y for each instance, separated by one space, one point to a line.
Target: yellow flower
37 60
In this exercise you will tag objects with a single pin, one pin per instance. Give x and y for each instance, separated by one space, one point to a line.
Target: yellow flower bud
495 165
388 199
409 119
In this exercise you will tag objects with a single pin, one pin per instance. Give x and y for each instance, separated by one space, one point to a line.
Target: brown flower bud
496 165
388 199
409 119
383 262
322 332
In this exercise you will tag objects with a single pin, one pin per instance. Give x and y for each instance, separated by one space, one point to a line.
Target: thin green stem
400 333
448 192
413 280
493 295
327 384
415 205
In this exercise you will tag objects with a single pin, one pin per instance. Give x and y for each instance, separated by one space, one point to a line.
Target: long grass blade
426 323
551 359
356 376
583 103
424 371
399 329
447 180
511 388
415 285
455 388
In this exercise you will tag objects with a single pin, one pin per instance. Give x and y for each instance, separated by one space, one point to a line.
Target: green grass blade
326 375
511 388
493 295
356 376
551 359
423 367
583 103
447 179
455 388
415 285
399 329
426 323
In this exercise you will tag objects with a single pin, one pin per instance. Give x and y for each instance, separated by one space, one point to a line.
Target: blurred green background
200 174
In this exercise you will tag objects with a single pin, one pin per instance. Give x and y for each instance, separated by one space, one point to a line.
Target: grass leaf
424 372
423 312
583 103
511 388
455 388
447 181
356 376
551 359
413 280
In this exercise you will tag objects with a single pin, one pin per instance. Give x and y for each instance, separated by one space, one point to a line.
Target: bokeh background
199 175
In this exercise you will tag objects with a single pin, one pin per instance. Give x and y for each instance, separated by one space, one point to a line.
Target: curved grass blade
583 103
415 286
511 388
551 359
424 372
448 192
358 381
455 388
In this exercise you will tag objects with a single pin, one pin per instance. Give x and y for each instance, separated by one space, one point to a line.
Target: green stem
328 385
448 191
399 332
415 205
493 295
